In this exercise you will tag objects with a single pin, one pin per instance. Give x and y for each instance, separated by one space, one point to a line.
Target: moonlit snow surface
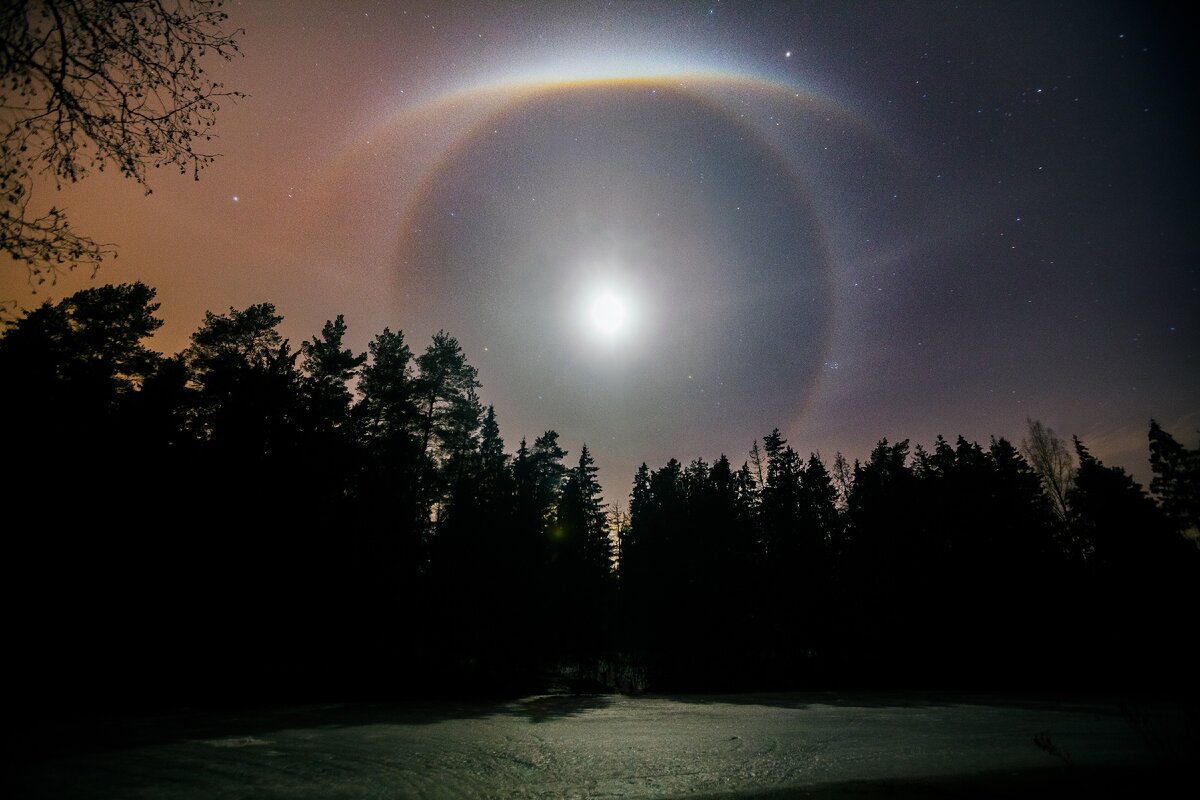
591 746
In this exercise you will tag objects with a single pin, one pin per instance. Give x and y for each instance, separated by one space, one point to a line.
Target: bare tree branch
90 84
1050 458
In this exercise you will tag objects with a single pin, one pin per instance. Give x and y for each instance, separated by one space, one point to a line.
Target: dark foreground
585 746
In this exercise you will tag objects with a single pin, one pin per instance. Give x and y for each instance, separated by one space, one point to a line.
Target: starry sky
845 220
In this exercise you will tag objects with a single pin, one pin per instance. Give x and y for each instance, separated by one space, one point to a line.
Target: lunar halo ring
414 145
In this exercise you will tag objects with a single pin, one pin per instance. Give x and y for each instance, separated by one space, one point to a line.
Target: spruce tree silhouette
1138 571
1176 481
582 557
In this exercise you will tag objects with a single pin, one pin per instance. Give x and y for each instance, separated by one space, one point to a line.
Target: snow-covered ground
588 746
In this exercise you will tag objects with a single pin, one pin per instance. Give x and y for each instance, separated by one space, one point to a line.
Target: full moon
607 313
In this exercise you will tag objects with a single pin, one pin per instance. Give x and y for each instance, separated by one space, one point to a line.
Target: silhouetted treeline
946 567
251 519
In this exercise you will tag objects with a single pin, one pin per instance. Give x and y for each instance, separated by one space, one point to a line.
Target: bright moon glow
607 313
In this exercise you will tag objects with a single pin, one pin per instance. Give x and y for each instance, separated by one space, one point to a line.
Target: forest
248 520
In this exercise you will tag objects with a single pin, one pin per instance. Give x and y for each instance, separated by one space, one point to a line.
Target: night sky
845 220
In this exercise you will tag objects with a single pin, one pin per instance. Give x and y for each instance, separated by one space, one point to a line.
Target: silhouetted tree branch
89 85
